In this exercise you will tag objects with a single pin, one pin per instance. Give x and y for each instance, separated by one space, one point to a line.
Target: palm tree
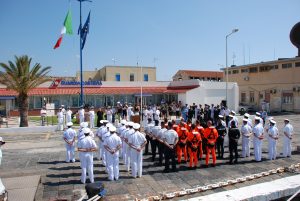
21 78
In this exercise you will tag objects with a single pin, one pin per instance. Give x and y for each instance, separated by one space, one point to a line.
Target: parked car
243 108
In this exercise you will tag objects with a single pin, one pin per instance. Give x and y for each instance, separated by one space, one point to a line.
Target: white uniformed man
124 144
120 130
60 120
136 141
69 115
246 116
112 145
261 121
156 114
288 131
235 118
92 117
104 135
80 132
81 114
272 138
154 142
128 148
258 131
170 139
86 147
161 145
246 133
98 134
69 138
109 114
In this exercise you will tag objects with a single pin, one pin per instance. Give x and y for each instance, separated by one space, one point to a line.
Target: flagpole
81 79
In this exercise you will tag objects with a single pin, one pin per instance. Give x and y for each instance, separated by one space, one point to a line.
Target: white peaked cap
136 126
272 121
245 119
123 121
69 124
86 130
233 112
109 125
247 115
257 113
112 129
130 123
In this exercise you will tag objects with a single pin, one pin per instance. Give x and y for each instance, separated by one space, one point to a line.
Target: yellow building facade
120 74
273 85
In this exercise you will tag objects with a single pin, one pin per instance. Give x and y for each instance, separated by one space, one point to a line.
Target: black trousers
153 148
220 147
161 149
170 155
233 148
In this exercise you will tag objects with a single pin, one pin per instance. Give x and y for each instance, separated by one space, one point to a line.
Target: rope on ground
294 168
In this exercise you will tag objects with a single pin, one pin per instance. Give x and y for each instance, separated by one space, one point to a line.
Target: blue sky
180 34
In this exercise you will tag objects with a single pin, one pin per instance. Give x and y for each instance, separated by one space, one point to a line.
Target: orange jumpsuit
200 129
194 138
182 144
211 134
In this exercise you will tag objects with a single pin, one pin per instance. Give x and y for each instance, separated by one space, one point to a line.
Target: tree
20 77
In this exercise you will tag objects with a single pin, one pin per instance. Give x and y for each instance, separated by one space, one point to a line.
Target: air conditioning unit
246 78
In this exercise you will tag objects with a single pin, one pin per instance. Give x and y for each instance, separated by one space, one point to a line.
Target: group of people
187 138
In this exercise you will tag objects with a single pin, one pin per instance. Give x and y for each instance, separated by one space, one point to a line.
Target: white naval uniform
69 135
109 114
137 139
246 133
287 146
112 160
272 133
60 121
86 158
258 131
104 134
156 115
0 154
128 149
98 134
119 133
81 115
92 118
124 145
69 116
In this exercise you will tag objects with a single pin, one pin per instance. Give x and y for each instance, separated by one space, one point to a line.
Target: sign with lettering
58 83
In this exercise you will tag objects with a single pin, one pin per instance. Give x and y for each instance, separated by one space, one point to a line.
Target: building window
146 77
246 70
131 77
297 64
251 96
118 77
253 70
243 97
235 71
287 65
287 97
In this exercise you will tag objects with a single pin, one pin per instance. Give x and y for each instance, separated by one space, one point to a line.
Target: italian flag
67 29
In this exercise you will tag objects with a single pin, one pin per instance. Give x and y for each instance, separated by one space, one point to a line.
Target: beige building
273 84
198 75
120 74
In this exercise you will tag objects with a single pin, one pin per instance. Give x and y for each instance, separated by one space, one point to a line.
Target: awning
7 97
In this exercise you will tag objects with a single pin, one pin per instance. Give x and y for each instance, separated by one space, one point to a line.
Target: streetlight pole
232 32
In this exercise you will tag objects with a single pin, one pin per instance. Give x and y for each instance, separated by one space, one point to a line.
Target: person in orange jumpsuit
200 129
182 144
193 144
211 135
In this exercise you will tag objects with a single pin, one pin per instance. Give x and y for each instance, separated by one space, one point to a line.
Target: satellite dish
295 36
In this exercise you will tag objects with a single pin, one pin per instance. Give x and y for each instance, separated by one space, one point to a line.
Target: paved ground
43 154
